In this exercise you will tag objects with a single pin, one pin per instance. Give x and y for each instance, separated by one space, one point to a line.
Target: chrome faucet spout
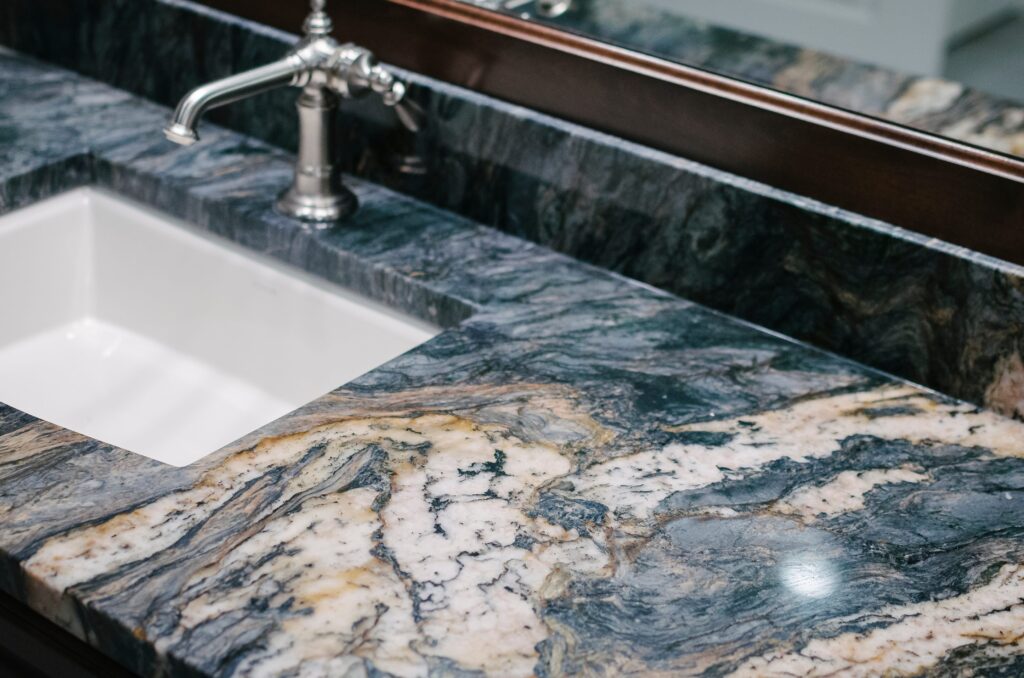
182 128
326 72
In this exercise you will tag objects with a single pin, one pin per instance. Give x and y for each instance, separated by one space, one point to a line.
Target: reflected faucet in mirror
549 9
327 72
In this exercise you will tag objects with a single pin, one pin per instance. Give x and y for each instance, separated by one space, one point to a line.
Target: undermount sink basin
130 327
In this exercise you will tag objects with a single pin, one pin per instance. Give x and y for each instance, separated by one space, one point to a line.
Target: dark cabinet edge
31 646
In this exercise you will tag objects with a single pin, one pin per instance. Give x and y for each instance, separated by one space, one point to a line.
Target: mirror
949 67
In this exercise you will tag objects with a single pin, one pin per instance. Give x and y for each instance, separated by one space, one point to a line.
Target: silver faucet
326 71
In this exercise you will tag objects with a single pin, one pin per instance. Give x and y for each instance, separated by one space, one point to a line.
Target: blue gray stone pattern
581 475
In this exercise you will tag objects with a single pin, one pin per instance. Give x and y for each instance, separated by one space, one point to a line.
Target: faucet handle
353 71
410 114
318 23
383 82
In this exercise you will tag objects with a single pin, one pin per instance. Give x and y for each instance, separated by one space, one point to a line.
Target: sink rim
321 283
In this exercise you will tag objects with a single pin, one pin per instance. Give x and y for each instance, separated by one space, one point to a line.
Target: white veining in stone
916 638
397 573
634 484
844 493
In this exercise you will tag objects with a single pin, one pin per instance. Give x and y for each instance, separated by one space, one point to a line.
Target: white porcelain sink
128 326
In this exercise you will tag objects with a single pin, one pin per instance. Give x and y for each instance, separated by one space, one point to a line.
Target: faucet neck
317 193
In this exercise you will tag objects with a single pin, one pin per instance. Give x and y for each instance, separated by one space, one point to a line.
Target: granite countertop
580 475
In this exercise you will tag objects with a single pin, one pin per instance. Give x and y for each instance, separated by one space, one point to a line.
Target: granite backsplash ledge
924 310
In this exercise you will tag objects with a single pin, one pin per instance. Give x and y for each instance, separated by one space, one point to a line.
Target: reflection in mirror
952 67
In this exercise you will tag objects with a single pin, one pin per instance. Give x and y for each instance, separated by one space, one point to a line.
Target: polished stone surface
581 475
921 309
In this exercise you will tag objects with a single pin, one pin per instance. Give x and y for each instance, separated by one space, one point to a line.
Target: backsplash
931 312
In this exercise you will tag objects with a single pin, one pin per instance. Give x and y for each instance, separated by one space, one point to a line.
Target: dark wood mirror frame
935 186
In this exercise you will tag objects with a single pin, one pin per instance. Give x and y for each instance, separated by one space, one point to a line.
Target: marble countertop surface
581 475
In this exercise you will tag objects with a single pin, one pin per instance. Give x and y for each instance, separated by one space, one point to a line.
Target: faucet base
327 72
324 209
